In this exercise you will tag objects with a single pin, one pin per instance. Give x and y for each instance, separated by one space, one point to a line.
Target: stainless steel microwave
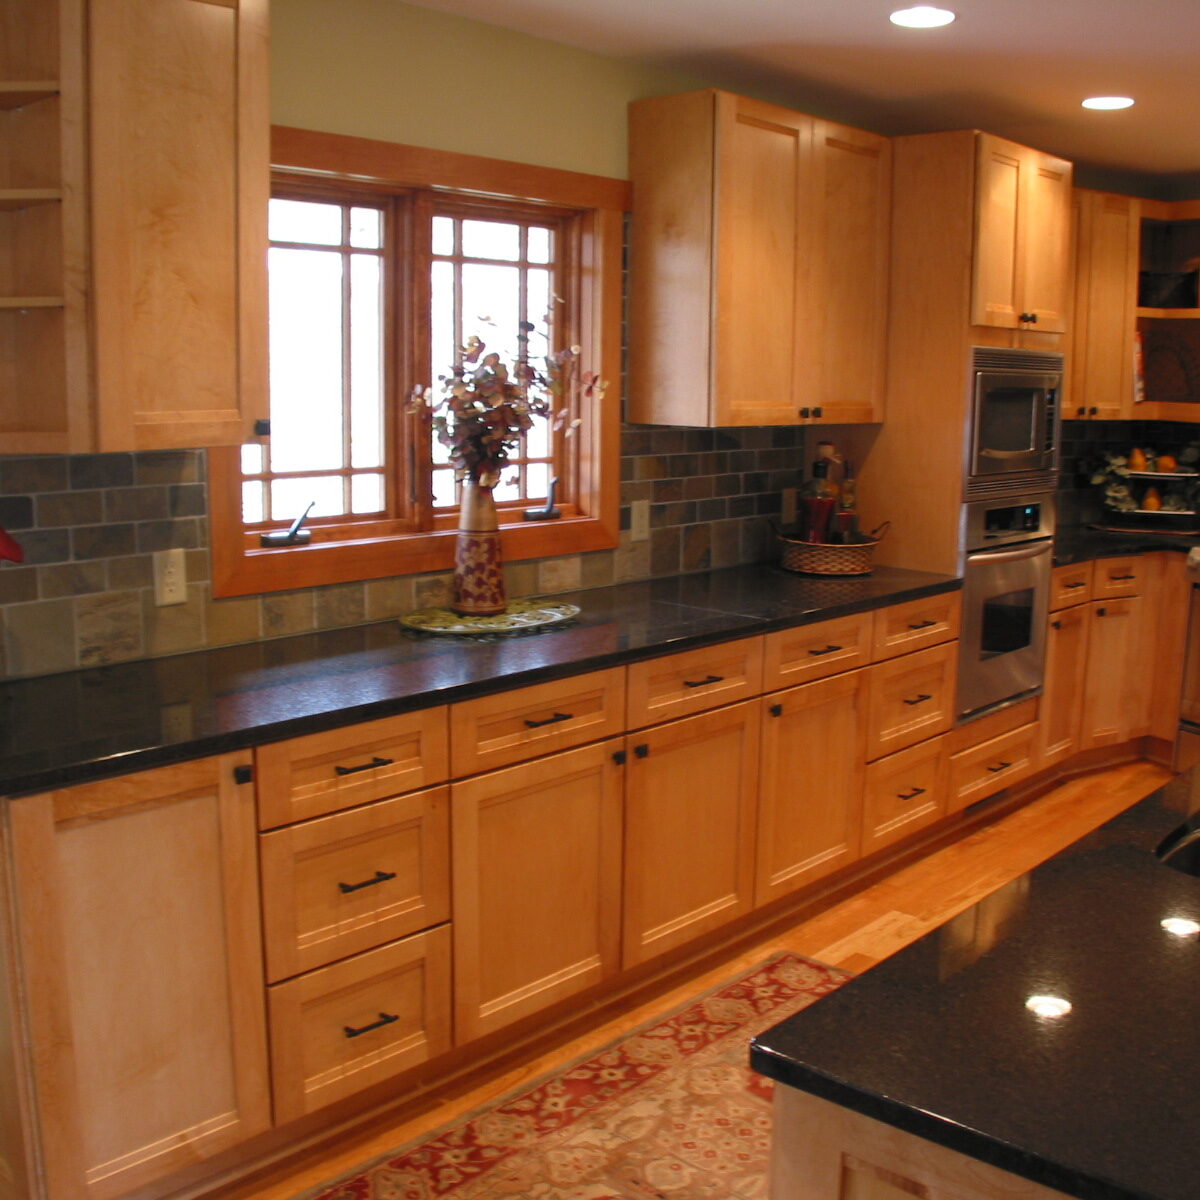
1014 420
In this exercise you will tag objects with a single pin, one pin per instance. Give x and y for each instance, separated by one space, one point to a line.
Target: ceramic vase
478 571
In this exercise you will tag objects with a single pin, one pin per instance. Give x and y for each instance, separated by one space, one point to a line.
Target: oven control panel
1015 519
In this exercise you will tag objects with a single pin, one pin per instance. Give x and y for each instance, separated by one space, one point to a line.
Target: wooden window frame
379 549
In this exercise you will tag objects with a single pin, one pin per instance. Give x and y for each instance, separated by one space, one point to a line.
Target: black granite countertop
68 728
1080 543
937 1040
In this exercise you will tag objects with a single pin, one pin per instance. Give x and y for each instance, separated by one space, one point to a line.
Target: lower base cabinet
810 801
1066 671
536 866
141 958
903 793
690 794
357 1022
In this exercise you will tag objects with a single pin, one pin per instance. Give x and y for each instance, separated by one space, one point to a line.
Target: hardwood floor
855 933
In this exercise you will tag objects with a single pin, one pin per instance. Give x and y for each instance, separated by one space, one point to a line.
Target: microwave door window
1007 623
1008 422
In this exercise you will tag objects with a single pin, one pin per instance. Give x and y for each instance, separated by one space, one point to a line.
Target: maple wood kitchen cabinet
811 782
980 240
537 884
1100 365
1021 275
133 224
758 264
141 965
691 788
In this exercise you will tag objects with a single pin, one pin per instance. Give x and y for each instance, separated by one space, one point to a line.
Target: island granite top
69 728
937 1040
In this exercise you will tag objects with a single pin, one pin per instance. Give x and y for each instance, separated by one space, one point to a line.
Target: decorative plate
521 615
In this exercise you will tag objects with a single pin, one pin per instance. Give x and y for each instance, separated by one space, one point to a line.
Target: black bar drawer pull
384 1019
910 795
533 723
828 650
1078 583
1003 766
379 877
367 766
703 682
923 624
919 699
1121 578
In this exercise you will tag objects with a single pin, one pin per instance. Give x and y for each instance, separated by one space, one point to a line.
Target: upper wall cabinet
1100 367
132 223
1022 237
759 265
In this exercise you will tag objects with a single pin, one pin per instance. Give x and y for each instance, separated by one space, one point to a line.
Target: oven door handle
1018 554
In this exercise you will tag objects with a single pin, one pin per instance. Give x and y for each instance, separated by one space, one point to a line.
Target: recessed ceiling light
924 16
1108 102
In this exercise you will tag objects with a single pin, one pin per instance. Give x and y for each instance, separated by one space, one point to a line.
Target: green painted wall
388 70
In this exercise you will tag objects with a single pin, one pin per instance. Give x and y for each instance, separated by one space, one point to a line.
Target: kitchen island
932 1071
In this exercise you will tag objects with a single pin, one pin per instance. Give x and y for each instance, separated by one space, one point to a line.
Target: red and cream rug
672 1111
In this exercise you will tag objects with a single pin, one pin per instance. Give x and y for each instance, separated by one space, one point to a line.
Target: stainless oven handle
1018 554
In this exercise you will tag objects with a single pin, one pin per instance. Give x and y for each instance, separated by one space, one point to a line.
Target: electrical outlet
639 520
170 577
787 513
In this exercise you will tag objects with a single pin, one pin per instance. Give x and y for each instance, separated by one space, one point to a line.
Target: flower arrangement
485 406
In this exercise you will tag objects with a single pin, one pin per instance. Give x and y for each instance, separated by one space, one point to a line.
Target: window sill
248 570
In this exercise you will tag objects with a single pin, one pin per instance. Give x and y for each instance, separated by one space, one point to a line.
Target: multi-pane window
384 261
489 277
329 422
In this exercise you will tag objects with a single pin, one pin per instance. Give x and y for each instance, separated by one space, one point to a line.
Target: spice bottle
817 503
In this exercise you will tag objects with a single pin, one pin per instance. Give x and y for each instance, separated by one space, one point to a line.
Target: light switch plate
639 520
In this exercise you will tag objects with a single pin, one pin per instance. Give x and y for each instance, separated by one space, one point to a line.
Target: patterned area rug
671 1112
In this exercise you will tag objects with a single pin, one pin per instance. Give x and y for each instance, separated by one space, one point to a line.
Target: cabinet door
841 299
537 885
1022 237
1116 694
179 179
1100 366
1066 669
810 801
689 828
140 943
764 159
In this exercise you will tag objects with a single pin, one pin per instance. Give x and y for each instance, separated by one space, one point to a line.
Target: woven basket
820 558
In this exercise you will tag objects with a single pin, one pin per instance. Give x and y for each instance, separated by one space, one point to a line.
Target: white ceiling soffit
1018 68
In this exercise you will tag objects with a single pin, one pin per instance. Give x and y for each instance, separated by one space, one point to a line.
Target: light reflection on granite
85 724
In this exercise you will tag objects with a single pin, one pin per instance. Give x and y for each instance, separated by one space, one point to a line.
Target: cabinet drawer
1070 585
1115 577
360 1021
681 684
343 883
324 772
992 766
911 698
509 727
916 624
904 792
813 651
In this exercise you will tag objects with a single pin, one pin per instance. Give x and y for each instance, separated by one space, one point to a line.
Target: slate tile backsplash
89 525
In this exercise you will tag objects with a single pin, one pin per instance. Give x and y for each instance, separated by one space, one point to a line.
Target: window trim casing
241 568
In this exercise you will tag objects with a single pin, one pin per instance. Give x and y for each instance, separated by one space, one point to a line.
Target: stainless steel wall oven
1006 593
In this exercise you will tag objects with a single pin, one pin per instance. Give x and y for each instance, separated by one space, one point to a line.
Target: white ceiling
1018 68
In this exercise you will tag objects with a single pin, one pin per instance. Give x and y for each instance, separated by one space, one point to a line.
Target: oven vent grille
1002 359
1002 487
